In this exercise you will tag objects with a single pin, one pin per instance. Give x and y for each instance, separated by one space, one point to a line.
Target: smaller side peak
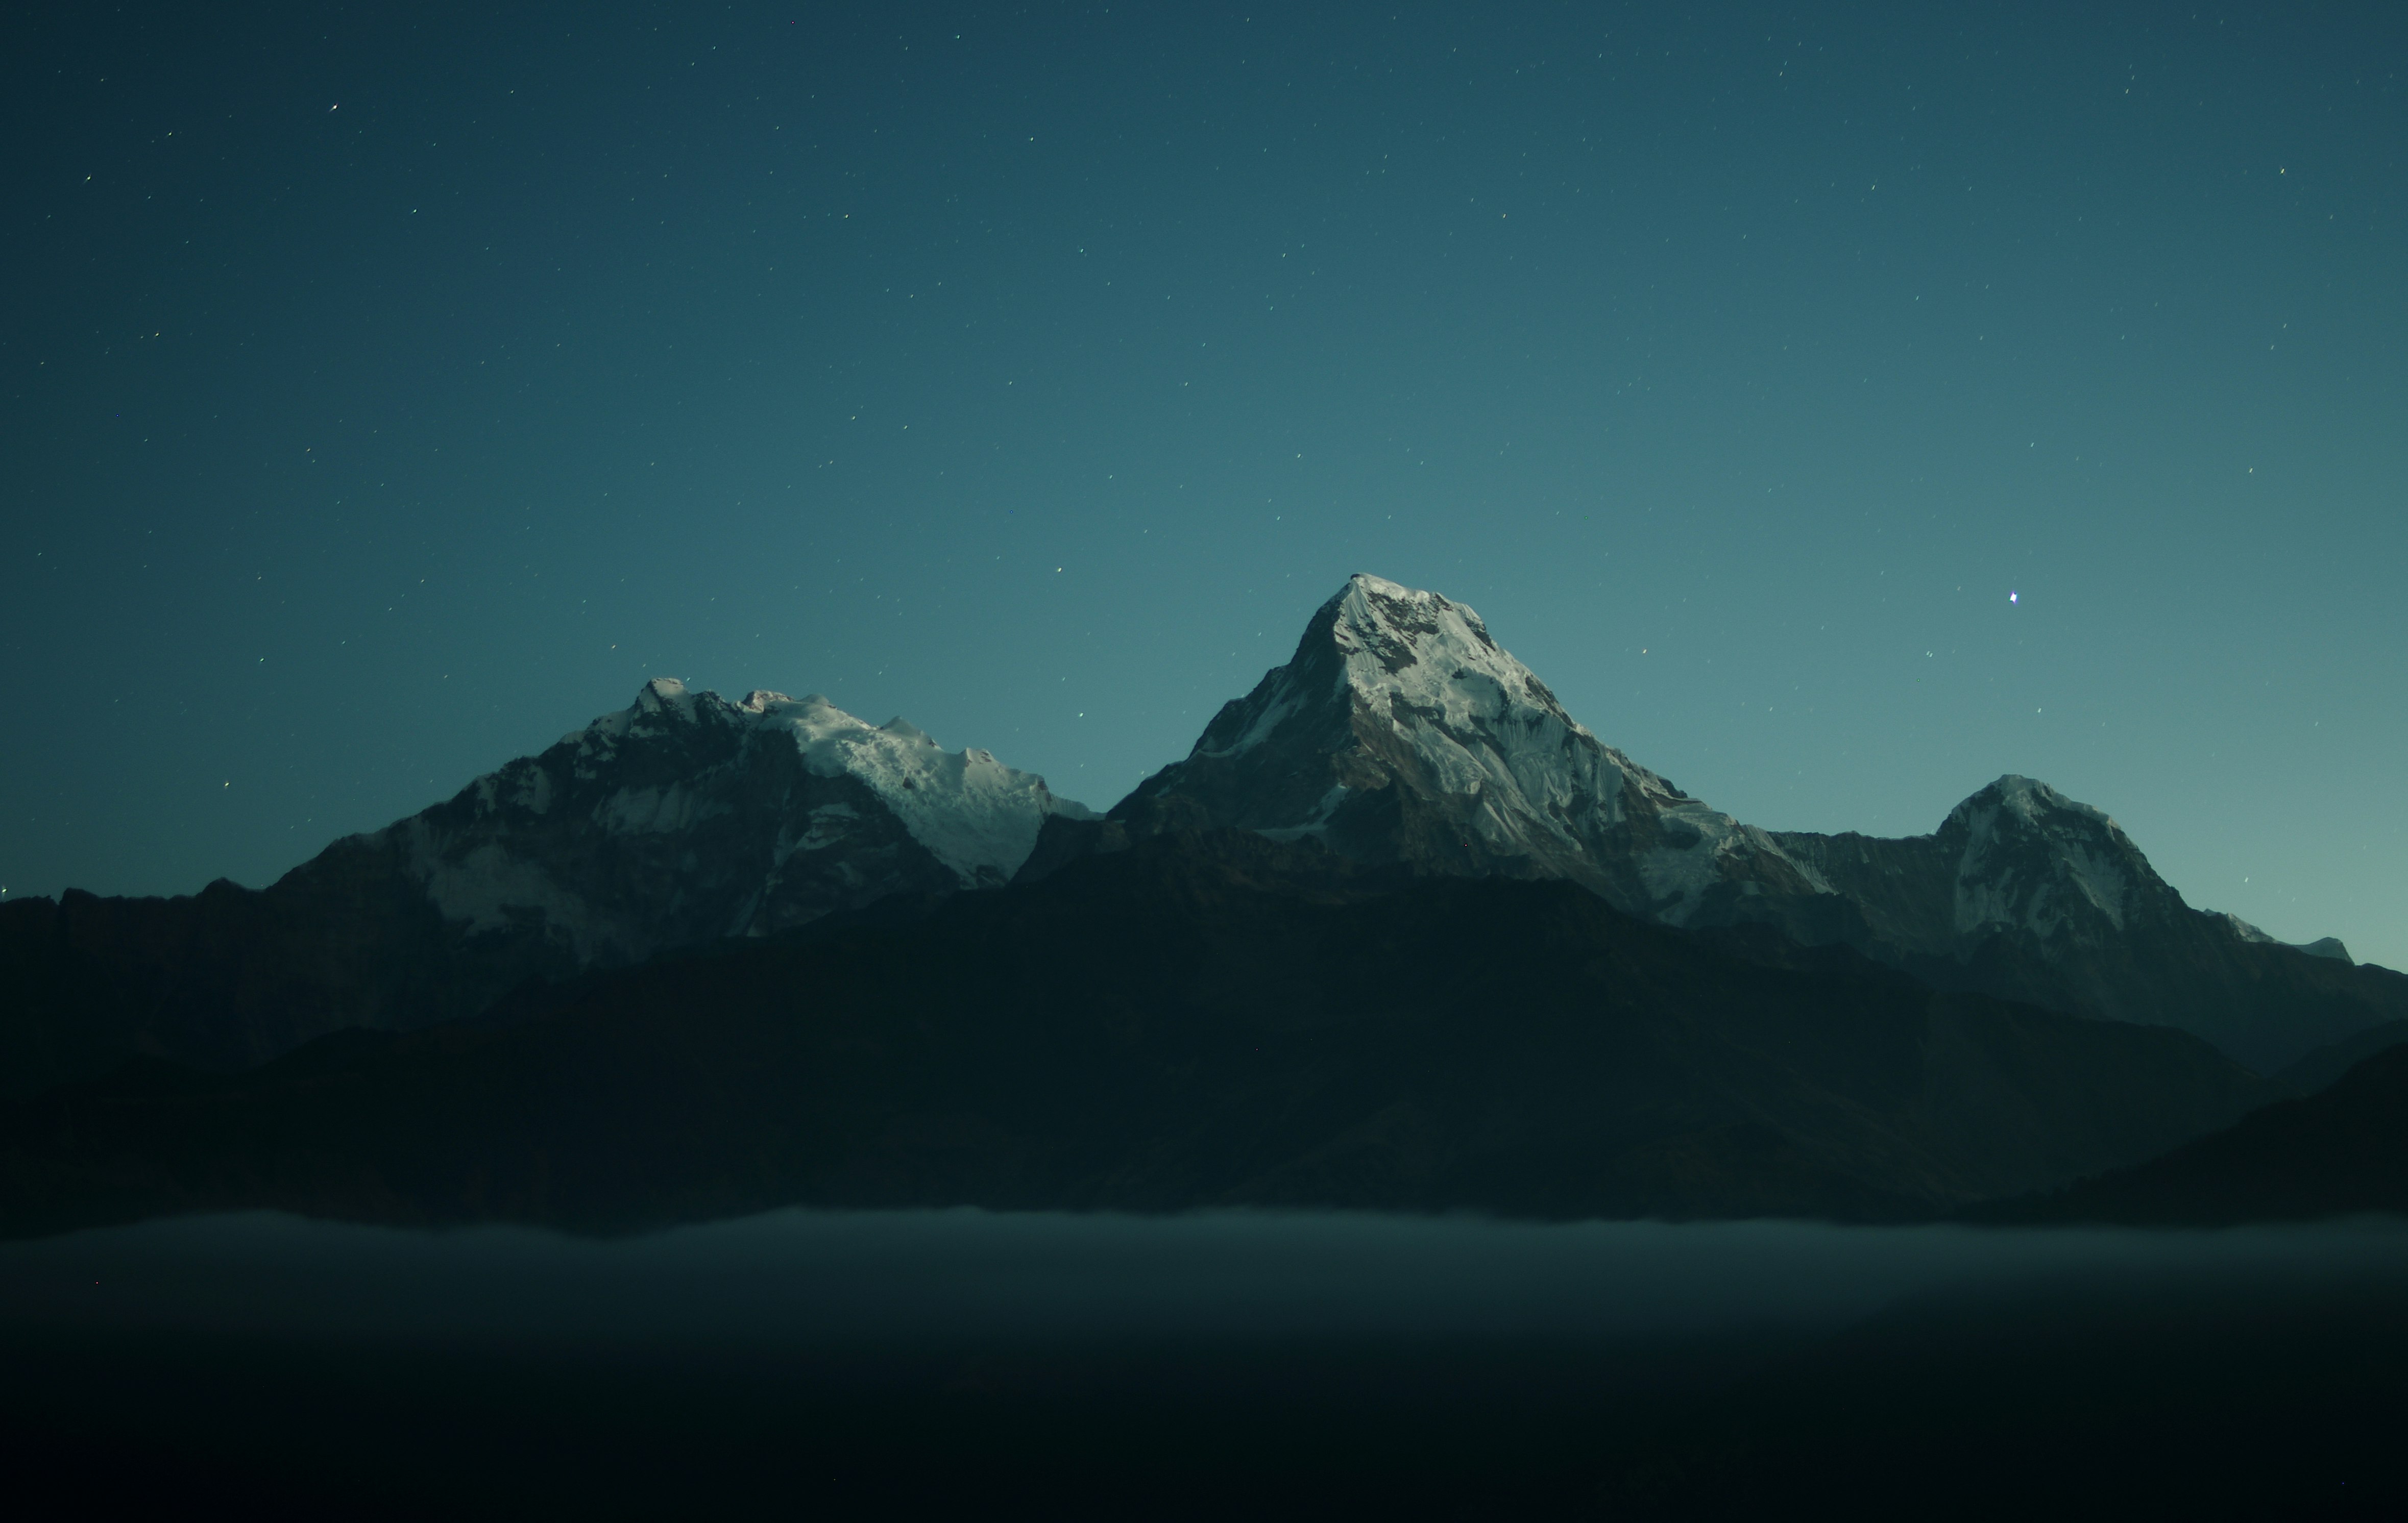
665 704
663 692
2015 785
2027 798
903 728
661 695
2329 947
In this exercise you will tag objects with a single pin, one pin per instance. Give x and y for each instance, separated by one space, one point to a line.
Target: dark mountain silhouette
2319 1069
2335 1153
1201 1019
1398 933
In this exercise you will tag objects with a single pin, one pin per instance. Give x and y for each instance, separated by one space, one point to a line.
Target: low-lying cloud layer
804 1278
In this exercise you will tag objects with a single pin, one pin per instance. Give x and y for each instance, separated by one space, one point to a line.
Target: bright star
2011 597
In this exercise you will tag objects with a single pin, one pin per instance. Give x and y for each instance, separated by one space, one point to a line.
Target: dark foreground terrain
1201 1020
902 1363
2341 1151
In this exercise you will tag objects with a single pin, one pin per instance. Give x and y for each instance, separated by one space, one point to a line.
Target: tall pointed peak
1401 731
661 703
1398 644
1401 625
663 692
2034 859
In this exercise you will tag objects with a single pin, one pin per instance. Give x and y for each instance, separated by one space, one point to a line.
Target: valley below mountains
1398 934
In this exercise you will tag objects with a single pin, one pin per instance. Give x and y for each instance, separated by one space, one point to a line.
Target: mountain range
1400 766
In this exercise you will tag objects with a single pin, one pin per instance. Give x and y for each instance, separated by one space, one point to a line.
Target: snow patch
488 889
535 793
829 824
657 811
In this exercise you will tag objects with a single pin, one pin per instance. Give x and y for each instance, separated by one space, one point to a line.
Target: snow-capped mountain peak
2031 800
2037 861
1401 728
1418 648
685 816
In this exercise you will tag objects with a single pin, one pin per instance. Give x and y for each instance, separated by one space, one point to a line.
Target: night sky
1838 408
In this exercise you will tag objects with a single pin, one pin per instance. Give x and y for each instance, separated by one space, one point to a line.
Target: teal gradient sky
387 395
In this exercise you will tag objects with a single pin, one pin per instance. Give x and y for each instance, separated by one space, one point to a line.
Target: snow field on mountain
1483 723
976 816
969 810
2030 850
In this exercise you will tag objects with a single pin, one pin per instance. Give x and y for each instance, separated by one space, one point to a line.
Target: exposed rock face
1400 732
683 819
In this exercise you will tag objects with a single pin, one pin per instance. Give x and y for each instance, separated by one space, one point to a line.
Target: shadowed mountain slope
2335 1153
2319 1069
1196 1020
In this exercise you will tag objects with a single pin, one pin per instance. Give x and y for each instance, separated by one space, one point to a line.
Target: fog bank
805 1277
